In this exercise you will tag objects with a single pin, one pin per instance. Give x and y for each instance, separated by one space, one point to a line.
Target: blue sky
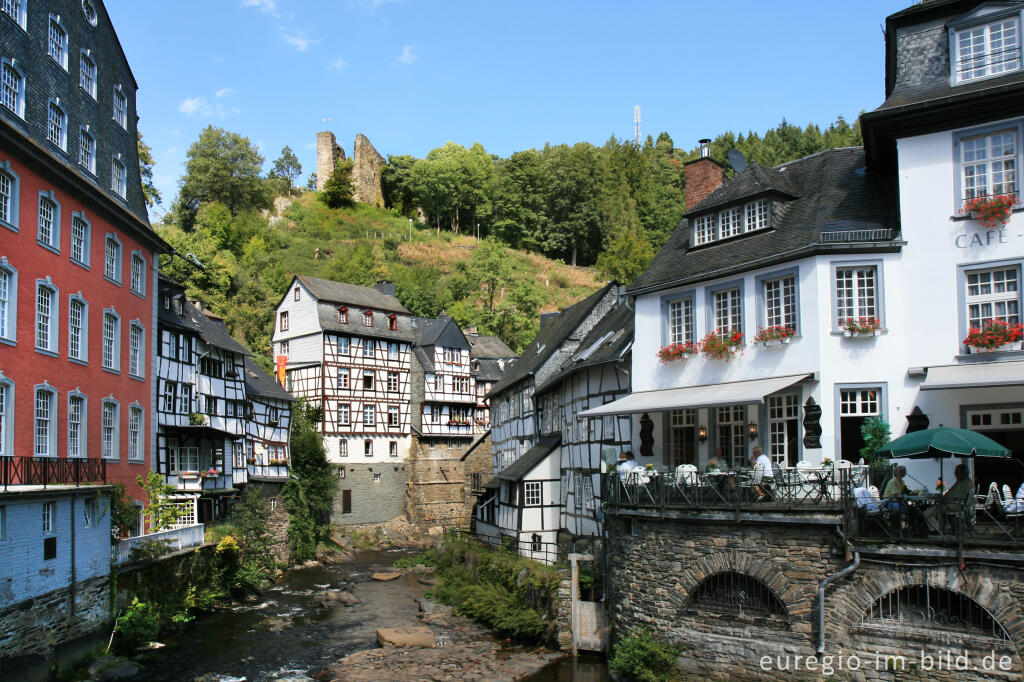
413 74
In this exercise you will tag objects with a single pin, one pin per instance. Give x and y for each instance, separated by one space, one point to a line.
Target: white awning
712 395
974 375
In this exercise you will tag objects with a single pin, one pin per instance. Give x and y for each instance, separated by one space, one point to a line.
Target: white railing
175 539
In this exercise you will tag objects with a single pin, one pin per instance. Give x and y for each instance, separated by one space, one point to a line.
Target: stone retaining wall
36 626
657 564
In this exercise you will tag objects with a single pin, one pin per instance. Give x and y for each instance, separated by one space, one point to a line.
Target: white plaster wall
355 455
302 314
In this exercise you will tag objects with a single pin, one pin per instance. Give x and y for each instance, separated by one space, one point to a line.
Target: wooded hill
610 206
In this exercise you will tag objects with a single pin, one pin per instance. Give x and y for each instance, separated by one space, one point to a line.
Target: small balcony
275 470
46 471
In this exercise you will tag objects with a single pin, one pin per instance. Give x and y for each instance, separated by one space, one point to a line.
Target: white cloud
265 6
224 92
407 56
337 64
298 40
191 105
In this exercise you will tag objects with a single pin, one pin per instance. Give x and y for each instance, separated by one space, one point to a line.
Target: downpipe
845 571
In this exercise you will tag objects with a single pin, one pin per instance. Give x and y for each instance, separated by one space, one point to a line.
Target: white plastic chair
986 501
875 497
686 474
1007 495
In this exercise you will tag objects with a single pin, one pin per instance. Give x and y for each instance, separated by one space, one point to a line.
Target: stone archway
793 598
986 589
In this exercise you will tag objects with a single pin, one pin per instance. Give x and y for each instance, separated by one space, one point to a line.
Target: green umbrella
943 441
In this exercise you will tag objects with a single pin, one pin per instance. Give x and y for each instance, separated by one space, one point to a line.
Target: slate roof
328 314
260 383
212 331
552 335
618 326
754 180
488 347
350 294
835 193
492 369
530 459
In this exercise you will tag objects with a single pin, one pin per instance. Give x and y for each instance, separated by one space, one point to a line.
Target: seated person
864 500
952 500
625 463
758 458
716 462
895 489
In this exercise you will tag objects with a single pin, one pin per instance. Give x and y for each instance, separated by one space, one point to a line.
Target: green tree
287 166
160 511
252 522
489 266
627 255
222 166
338 190
396 184
311 183
149 191
520 198
309 493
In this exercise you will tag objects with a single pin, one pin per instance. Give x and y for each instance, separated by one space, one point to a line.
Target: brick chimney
703 176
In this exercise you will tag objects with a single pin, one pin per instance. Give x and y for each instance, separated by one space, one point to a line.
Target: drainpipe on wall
73 576
846 570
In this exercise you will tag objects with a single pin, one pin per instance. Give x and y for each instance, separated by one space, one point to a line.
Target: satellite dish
737 160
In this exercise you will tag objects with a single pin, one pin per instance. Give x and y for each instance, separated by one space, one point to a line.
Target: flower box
861 335
722 346
774 336
677 351
996 335
774 343
991 211
861 327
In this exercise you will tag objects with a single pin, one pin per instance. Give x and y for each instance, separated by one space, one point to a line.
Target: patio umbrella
943 441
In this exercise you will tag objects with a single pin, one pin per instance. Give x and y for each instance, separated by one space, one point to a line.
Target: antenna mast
636 123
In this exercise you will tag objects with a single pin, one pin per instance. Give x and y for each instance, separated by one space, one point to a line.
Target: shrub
428 558
639 656
139 623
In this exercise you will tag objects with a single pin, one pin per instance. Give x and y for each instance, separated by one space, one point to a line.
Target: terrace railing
46 471
169 541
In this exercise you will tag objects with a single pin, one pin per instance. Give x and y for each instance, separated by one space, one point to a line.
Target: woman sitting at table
715 462
952 501
763 489
895 489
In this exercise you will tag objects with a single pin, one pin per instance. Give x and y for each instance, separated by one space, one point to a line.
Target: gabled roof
753 181
352 295
213 332
491 369
839 205
488 347
531 458
328 314
258 382
439 331
609 341
551 336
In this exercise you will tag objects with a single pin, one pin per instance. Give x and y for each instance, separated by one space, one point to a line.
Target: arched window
9 192
934 608
12 88
57 125
733 593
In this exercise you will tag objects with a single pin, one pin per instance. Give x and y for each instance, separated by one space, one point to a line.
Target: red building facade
78 258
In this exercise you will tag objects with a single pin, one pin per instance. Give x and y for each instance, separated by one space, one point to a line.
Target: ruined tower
328 154
366 172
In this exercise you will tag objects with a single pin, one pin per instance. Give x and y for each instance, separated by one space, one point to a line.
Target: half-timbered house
490 358
201 407
269 412
444 385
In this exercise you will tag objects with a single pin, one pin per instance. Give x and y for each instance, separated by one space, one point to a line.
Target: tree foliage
149 191
309 493
338 190
160 511
224 167
288 168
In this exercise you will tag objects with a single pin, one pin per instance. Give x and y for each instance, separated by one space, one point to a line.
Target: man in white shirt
758 458
625 463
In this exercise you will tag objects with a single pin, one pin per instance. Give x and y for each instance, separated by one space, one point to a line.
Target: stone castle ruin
366 169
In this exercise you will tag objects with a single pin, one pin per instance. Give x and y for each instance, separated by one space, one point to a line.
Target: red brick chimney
703 176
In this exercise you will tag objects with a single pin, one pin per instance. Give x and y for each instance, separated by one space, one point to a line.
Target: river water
286 636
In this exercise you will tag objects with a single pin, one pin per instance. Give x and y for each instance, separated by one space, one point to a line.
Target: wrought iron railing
824 489
51 471
933 520
545 552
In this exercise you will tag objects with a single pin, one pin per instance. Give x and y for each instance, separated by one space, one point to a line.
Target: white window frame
368 349
725 308
136 349
392 351
368 447
56 125
78 425
394 416
86 150
344 346
393 382
81 233
730 222
680 321
788 313
734 419
136 432
344 414
344 378
988 29
47 327
757 215
532 496
111 341
118 177
89 512
370 415
137 281
78 331
342 452
49 518
6 415
12 88
8 302
1006 165
87 73
854 306
16 10
779 410
120 107
57 41
705 229
10 197
48 222
45 418
110 439
112 257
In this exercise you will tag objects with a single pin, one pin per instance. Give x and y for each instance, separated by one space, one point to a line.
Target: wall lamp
702 433
752 430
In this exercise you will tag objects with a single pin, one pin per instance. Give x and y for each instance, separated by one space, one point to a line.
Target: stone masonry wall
367 165
328 154
654 571
372 502
478 462
36 626
437 487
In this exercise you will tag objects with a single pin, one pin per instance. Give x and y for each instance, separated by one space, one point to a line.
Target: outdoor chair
1007 496
686 474
993 497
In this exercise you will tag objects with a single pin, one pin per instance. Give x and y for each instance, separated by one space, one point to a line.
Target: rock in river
408 636
388 575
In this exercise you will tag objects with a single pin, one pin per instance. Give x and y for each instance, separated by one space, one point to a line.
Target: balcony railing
169 541
51 471
274 471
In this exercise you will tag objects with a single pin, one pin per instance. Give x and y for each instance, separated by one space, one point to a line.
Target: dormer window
731 222
393 322
367 318
343 315
988 49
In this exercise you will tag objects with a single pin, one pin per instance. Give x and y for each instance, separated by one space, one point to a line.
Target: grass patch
428 558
